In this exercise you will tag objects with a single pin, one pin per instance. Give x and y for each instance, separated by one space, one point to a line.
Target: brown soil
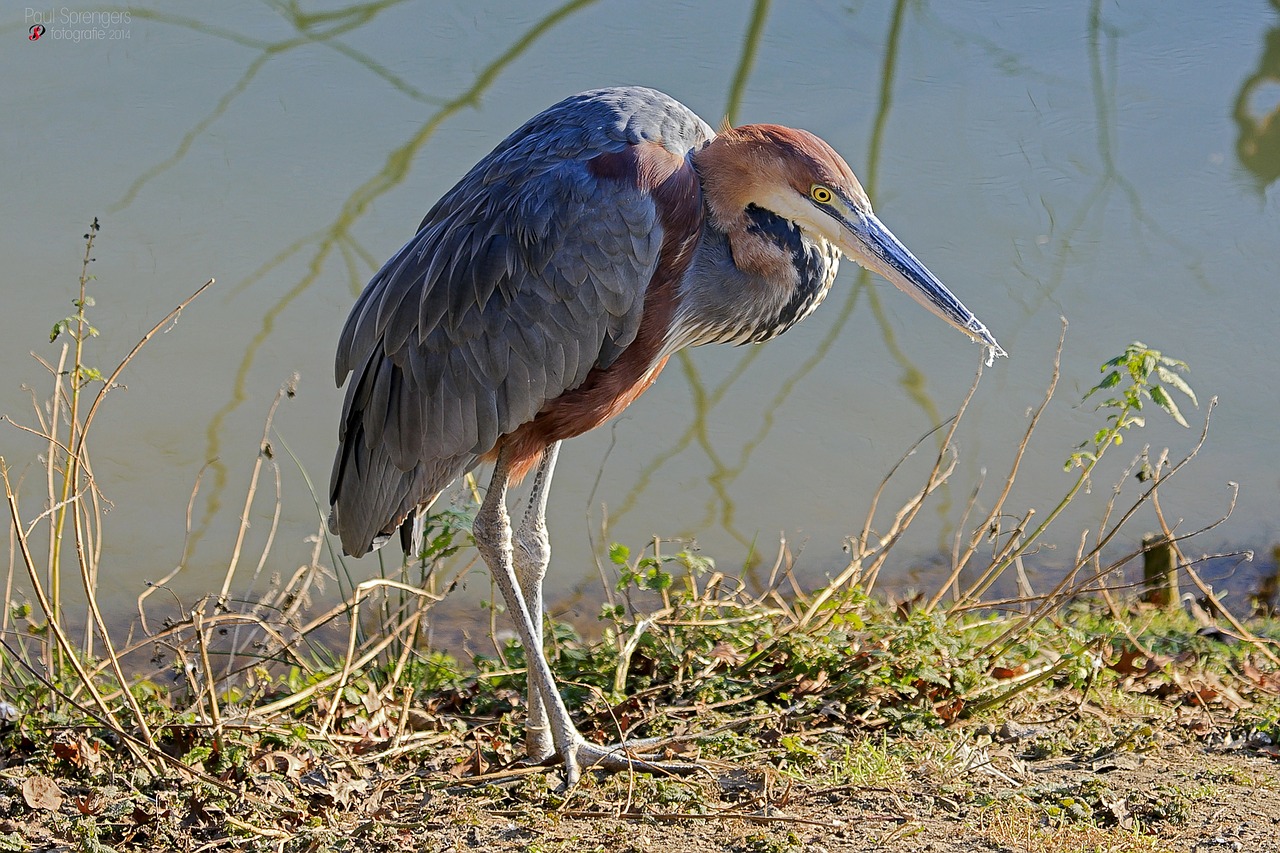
1169 794
1217 800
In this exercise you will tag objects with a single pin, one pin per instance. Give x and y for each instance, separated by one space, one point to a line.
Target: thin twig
54 624
264 452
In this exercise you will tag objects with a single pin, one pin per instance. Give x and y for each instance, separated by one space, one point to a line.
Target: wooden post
1159 571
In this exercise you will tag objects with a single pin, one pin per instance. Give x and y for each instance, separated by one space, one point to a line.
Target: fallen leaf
474 765
808 685
279 761
90 804
41 792
949 711
1118 811
1268 681
81 752
1131 662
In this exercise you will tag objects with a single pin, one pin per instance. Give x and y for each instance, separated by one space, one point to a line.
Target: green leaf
1176 382
1147 364
1111 380
655 579
1164 401
619 554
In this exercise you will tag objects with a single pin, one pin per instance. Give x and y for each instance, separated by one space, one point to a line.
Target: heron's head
796 175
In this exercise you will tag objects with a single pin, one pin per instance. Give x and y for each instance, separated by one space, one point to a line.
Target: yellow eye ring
820 194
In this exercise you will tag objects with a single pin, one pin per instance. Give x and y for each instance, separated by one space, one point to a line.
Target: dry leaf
474 765
808 685
1131 662
726 653
41 792
1268 681
949 711
81 752
279 761
91 804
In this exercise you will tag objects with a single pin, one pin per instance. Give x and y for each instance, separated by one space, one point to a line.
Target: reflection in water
750 47
1086 223
1257 114
313 29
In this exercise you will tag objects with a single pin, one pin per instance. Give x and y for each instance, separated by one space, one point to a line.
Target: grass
295 726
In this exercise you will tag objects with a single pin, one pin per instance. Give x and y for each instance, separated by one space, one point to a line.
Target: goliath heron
544 293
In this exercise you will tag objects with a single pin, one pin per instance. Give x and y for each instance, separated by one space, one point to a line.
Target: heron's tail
372 499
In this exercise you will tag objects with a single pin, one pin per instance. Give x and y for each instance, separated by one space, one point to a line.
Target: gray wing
525 276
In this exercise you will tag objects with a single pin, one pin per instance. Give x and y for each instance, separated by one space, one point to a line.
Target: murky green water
1113 164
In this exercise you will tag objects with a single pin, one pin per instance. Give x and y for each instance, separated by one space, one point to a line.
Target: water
1113 165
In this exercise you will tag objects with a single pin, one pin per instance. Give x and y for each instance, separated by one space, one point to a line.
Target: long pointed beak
873 246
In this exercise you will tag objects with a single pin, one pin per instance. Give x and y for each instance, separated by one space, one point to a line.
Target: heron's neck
752 283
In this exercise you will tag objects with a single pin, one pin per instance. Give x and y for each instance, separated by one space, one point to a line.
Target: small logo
35 32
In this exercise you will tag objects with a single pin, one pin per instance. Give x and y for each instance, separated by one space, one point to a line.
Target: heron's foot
642 755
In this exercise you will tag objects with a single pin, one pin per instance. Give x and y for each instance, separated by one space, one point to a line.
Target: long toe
632 756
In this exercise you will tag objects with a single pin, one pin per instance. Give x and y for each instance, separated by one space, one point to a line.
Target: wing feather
526 275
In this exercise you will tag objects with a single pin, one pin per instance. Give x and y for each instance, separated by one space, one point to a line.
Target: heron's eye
820 194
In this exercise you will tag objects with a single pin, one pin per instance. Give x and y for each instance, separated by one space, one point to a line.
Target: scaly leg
492 531
531 555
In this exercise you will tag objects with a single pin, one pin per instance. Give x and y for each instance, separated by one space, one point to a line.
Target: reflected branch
750 47
1257 115
344 21
720 476
912 379
1104 83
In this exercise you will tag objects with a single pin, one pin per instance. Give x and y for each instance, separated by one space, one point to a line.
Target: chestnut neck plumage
754 273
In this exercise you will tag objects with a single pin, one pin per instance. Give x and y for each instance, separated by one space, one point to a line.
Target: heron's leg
492 530
531 555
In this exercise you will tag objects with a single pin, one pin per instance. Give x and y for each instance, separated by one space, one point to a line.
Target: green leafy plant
652 573
1138 363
